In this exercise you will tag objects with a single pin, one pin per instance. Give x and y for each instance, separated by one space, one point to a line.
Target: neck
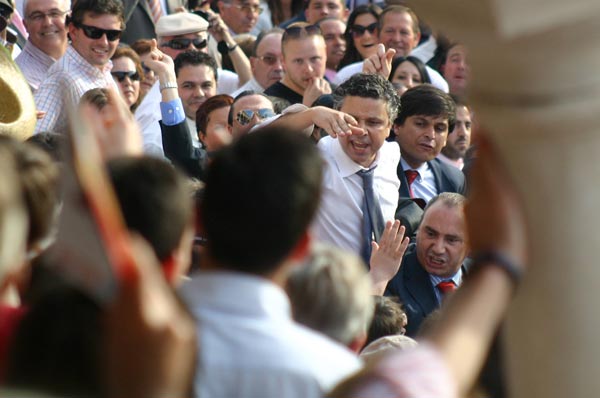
56 51
289 84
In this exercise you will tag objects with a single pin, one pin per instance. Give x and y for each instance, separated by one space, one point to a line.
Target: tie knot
446 287
411 176
366 175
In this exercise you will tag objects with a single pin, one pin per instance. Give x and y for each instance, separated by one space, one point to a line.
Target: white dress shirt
350 70
251 84
339 219
67 80
249 346
424 185
34 63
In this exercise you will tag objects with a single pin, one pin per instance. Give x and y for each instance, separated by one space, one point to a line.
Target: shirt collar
89 68
38 54
422 169
456 278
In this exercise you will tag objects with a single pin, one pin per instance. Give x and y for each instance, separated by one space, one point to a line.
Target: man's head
304 56
248 109
333 32
180 32
399 29
6 10
442 242
45 23
156 204
196 80
331 293
459 139
373 102
95 28
260 197
266 61
456 70
239 15
426 115
319 9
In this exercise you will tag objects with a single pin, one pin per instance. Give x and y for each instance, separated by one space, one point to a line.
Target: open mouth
46 34
100 51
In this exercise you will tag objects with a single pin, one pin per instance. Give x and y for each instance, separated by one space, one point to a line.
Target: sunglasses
270 60
146 69
359 30
182 44
299 31
95 33
245 116
120 76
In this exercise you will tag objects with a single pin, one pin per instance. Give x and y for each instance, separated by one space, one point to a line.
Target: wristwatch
224 48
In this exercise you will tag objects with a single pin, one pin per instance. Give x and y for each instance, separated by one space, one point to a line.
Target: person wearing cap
47 41
95 27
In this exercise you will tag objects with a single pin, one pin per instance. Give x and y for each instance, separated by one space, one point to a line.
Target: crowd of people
244 198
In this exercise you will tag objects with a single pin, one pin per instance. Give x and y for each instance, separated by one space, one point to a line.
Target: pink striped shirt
67 80
34 64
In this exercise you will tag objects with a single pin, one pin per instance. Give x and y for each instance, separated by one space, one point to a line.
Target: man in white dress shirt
255 213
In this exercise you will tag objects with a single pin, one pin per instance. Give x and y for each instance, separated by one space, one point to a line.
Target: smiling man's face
45 23
421 138
95 51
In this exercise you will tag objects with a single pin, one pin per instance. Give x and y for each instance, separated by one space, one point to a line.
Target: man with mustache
427 115
434 266
459 141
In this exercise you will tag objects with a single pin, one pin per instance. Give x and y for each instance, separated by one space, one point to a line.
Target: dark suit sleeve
178 147
448 178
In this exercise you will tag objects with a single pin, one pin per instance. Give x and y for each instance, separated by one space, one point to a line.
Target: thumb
389 55
153 45
374 247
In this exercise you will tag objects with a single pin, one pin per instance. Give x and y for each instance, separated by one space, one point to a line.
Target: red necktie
411 176
446 287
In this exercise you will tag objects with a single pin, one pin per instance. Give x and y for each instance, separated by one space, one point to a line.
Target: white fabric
425 51
264 19
227 82
251 84
424 185
348 71
193 132
250 347
147 115
340 217
34 63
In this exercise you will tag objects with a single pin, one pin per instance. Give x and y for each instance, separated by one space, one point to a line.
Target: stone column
536 88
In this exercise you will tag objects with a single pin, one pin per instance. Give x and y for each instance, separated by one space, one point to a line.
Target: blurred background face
319 9
129 86
407 74
333 33
149 77
217 134
45 23
365 40
267 65
456 70
240 15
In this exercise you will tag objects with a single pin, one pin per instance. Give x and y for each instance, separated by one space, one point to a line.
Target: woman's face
217 135
127 78
407 74
149 77
364 40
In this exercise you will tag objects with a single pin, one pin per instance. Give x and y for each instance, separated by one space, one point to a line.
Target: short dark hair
427 100
388 318
413 60
260 197
154 199
213 103
96 8
368 85
195 58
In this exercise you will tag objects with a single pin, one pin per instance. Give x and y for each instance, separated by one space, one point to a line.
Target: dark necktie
411 176
373 223
446 287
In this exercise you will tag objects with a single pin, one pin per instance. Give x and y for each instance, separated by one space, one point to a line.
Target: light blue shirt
172 112
457 279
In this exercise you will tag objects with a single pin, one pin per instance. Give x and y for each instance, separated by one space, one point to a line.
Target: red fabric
411 176
446 287
10 317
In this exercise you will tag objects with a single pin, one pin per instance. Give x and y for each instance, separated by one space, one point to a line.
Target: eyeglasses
183 43
38 16
248 8
270 59
359 30
132 75
245 116
299 31
95 33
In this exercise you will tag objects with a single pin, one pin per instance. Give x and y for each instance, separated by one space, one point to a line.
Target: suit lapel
419 286
437 175
403 183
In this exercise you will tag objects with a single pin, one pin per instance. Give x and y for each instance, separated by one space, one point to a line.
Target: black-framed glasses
54 14
131 74
245 116
270 59
299 31
359 30
95 33
183 43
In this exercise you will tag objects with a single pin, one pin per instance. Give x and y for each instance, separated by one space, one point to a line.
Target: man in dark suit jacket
426 117
138 19
435 265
